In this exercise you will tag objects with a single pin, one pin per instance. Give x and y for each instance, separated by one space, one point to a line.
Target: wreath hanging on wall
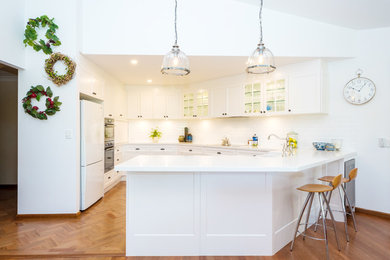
31 34
53 75
37 92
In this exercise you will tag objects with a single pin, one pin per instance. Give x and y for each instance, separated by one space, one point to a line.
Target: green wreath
31 34
52 105
70 68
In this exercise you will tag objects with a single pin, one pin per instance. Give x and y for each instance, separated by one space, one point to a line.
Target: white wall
8 130
48 164
12 24
218 27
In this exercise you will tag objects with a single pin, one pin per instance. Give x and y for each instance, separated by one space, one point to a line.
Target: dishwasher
349 187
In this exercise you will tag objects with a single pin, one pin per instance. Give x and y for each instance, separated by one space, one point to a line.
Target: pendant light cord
260 20
175 22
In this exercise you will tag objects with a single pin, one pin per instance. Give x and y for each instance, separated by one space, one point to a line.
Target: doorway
8 139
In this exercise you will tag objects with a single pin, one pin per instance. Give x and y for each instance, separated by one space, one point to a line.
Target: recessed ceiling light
134 62
149 81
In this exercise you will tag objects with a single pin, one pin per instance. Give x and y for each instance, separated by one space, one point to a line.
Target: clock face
359 90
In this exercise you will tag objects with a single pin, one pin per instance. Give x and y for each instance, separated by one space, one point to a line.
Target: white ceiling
355 14
148 67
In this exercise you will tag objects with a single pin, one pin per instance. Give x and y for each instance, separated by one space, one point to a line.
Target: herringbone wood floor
99 233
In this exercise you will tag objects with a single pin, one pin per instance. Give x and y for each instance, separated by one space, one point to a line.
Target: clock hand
362 86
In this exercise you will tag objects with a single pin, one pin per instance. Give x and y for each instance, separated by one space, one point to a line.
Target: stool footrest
315 238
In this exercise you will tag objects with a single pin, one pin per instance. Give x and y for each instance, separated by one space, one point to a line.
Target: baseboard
373 212
9 186
68 215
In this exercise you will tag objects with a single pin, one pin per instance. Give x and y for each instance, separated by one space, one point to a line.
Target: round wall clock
359 90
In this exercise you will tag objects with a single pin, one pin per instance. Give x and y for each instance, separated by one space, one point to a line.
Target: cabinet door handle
162 149
109 177
190 150
94 93
218 152
137 149
289 110
120 115
109 157
109 114
117 160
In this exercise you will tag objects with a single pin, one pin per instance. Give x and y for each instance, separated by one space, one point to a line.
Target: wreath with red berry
37 92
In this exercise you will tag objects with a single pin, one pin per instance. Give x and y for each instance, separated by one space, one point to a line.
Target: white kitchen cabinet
133 105
228 102
166 106
275 96
307 88
173 110
196 104
146 106
90 84
120 103
140 105
305 94
219 102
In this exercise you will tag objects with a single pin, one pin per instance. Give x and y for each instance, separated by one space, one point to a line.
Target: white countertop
231 163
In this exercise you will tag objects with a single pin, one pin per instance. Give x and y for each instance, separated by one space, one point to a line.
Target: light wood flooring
99 233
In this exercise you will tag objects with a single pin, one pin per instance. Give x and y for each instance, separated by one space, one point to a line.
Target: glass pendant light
262 60
175 62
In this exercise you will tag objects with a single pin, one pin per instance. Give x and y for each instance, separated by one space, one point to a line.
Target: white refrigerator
92 153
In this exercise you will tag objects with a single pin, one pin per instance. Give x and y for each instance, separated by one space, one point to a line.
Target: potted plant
155 135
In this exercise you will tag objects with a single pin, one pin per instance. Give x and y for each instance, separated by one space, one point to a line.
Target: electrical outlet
384 142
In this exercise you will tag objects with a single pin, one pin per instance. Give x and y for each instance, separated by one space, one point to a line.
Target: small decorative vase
155 140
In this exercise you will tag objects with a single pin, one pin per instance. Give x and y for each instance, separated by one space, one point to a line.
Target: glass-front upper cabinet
202 103
253 98
265 96
275 95
188 103
196 104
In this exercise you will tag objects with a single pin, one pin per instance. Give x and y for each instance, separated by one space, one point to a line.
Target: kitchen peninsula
219 204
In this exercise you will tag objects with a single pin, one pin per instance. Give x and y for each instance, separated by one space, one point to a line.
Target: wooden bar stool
320 189
351 176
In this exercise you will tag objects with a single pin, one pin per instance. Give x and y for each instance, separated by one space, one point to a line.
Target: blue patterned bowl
320 146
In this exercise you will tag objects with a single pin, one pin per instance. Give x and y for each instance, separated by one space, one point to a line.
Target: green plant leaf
40 88
39 95
49 92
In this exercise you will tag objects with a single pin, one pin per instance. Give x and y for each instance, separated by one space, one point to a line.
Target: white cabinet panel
159 106
235 101
133 105
146 105
120 102
305 94
173 110
219 102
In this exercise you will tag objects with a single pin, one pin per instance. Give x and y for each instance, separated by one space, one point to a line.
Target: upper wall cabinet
90 84
307 89
227 101
196 104
153 104
115 101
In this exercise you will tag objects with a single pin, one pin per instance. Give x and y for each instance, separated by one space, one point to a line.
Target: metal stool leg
329 195
324 225
299 219
345 215
333 222
307 216
350 208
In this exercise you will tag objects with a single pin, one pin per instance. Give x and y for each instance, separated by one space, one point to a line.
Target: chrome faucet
287 149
